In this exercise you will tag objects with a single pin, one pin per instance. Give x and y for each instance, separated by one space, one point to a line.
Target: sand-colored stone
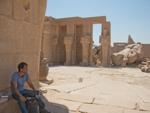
112 90
90 108
20 31
135 111
144 106
105 41
73 40
21 23
131 54
119 46
74 97
9 106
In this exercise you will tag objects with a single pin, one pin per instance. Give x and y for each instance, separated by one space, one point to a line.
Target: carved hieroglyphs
21 24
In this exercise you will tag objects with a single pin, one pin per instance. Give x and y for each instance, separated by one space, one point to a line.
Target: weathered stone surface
21 33
144 106
135 111
105 41
68 88
10 106
91 108
74 97
113 90
131 54
53 105
6 7
119 102
20 39
145 65
43 69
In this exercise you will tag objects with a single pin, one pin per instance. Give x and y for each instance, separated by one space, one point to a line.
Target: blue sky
126 16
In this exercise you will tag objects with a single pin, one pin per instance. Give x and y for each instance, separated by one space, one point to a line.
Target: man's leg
21 104
31 93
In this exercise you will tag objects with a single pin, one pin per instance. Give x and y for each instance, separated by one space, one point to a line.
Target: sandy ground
97 90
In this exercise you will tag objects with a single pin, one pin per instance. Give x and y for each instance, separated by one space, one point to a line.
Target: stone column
68 46
105 44
85 41
91 53
54 45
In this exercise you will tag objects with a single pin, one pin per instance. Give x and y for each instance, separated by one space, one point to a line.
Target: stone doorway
97 28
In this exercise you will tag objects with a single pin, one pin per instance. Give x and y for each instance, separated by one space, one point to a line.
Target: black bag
32 105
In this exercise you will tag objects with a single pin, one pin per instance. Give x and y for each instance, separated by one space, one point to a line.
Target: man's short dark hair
21 65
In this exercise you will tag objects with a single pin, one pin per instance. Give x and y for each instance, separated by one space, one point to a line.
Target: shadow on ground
55 107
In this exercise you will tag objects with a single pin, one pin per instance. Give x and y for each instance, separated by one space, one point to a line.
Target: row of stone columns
85 41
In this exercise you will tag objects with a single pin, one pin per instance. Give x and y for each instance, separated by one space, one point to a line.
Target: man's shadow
55 107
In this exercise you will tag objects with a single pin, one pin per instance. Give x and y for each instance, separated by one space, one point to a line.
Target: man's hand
22 98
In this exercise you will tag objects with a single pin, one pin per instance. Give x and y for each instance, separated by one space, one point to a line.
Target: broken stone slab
93 108
55 104
67 88
144 106
74 97
118 102
135 111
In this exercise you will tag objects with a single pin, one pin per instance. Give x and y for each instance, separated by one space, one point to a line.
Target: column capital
86 39
54 40
68 39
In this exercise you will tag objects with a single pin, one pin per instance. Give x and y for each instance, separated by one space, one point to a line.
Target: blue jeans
26 93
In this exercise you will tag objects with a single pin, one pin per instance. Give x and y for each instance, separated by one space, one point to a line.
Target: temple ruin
69 41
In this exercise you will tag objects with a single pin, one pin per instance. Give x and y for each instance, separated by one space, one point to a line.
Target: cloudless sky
126 16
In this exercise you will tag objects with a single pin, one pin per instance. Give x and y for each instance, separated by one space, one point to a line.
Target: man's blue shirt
19 80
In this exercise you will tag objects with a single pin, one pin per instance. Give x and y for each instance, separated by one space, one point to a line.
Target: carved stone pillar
68 41
105 44
54 53
91 53
69 45
85 41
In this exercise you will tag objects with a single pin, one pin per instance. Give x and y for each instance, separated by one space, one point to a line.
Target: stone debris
131 54
145 65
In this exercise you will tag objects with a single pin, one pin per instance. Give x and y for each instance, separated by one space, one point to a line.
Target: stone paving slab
118 102
70 105
74 97
91 108
144 106
135 111
67 88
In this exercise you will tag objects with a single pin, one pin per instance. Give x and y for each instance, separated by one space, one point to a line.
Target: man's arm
30 84
14 88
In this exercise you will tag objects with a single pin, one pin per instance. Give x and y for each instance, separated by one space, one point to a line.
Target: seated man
19 92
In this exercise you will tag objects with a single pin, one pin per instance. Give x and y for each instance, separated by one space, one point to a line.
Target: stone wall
145 49
20 37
